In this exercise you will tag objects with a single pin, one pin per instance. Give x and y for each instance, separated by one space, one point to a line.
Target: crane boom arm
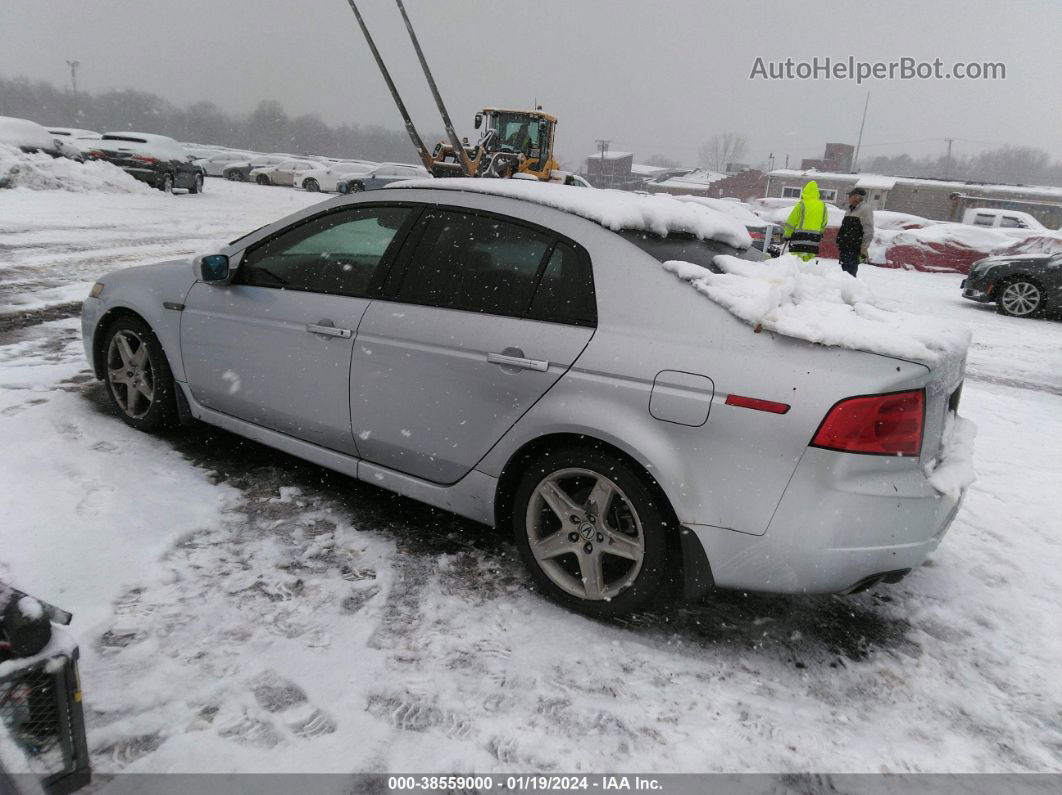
455 141
414 136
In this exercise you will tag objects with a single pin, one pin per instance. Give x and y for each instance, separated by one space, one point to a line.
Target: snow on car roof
818 302
614 209
23 132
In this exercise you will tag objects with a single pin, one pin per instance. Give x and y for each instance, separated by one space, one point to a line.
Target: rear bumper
844 521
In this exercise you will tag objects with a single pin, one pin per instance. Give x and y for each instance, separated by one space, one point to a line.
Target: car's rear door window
482 263
477 263
337 253
565 292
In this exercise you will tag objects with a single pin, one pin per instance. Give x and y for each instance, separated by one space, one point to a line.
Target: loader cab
529 133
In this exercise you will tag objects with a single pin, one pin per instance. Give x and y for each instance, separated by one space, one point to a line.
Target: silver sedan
531 369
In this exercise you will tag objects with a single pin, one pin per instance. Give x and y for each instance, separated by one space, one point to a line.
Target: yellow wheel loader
511 142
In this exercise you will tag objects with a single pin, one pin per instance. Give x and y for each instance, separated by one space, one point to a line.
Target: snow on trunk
818 302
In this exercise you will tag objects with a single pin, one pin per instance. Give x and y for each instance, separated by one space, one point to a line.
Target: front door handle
329 330
520 362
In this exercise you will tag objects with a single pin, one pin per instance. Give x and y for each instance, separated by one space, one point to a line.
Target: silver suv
531 369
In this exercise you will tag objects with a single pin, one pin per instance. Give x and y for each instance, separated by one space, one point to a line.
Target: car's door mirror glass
214 268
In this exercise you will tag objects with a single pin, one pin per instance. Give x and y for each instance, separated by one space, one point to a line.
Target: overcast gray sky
654 77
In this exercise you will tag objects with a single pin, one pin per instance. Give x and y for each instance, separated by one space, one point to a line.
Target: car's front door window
336 253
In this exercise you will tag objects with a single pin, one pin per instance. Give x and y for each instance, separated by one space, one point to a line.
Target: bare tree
722 149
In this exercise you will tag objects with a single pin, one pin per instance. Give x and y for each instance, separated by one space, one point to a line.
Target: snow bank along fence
42 724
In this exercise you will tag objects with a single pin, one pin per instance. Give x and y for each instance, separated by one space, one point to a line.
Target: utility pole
770 168
602 144
947 161
73 83
859 142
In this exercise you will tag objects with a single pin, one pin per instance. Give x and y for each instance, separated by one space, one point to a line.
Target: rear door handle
517 361
329 331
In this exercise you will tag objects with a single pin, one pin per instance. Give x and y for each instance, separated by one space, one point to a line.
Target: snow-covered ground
239 610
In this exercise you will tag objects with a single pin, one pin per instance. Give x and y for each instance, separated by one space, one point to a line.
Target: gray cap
857 192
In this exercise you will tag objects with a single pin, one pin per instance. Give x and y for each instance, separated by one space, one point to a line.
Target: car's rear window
125 138
686 248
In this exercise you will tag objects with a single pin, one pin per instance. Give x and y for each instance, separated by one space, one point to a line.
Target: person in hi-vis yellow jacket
803 227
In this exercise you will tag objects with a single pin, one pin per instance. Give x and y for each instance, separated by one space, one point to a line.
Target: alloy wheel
585 534
1020 298
129 374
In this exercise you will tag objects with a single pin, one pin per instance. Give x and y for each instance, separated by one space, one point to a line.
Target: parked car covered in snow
158 160
519 353
326 178
1020 286
380 177
238 170
215 164
28 136
282 173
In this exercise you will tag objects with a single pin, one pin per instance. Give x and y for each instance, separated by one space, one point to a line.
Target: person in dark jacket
856 232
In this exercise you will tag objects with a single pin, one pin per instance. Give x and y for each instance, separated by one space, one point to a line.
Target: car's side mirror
479 120
214 268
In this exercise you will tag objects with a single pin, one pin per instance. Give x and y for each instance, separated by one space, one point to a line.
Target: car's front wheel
197 185
1020 298
234 176
262 179
139 381
592 531
311 185
166 186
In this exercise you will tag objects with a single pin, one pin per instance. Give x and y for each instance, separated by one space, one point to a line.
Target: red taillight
145 159
876 424
94 153
757 404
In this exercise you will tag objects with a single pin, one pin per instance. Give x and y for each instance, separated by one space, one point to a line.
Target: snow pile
614 209
30 608
819 302
43 172
953 471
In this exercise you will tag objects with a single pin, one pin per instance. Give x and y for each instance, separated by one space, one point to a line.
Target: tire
355 187
1020 297
312 186
166 186
234 176
263 180
197 186
140 385
603 564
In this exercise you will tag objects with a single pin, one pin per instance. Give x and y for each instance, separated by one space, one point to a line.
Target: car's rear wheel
592 531
311 185
262 179
356 187
1020 297
138 376
197 185
166 186
234 176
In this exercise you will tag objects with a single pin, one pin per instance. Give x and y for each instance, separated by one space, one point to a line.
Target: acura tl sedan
1020 286
532 369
